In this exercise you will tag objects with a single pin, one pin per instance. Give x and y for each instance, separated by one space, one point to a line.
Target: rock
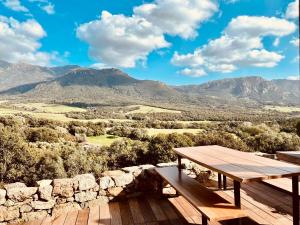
102 192
2 196
167 164
25 208
70 199
43 183
85 196
35 197
43 205
9 203
85 181
115 191
131 169
63 187
96 202
106 182
64 208
45 192
10 213
61 200
112 173
34 215
14 185
147 167
20 194
123 179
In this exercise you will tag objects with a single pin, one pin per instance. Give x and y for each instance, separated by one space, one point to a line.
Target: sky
173 41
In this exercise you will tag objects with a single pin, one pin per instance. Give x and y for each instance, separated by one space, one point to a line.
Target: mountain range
112 86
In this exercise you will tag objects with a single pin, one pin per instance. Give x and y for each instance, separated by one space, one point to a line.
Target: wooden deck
263 204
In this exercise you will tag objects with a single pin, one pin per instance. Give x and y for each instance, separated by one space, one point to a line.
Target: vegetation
33 149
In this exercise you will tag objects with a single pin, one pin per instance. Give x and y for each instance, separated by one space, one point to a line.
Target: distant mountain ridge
106 86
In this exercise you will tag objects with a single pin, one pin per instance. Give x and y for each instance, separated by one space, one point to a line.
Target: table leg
224 182
219 181
179 162
295 186
237 193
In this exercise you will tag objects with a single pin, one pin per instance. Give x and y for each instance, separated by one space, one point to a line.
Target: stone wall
20 203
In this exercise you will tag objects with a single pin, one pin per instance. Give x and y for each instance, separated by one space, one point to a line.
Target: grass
104 140
285 109
49 108
151 109
153 131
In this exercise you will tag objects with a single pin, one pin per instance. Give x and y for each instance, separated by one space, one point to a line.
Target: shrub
42 134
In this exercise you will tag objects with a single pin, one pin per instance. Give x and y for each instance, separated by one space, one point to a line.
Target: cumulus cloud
15 5
193 72
292 11
19 41
177 17
192 59
118 40
48 8
295 42
240 45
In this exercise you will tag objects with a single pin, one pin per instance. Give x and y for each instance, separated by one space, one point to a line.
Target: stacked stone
20 203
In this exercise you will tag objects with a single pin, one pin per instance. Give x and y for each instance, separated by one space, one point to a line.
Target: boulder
43 183
14 185
115 191
65 208
34 215
106 182
2 196
63 187
25 208
19 194
124 179
45 192
112 173
9 213
43 205
85 181
131 169
96 202
85 196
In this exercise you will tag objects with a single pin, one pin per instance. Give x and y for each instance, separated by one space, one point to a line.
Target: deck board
263 204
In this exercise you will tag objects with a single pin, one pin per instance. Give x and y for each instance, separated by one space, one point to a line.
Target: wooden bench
212 206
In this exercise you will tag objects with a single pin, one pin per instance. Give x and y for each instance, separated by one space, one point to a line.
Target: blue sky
174 41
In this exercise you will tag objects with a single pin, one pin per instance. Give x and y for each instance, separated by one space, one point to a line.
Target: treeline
33 149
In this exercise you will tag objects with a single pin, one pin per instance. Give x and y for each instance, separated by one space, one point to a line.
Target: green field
151 109
153 131
104 140
285 109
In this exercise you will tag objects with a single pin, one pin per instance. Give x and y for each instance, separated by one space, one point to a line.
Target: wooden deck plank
47 221
94 216
83 216
126 213
147 210
284 184
156 209
71 218
136 212
289 156
59 220
105 217
115 213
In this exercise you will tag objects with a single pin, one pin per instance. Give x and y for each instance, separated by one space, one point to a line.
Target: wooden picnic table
242 167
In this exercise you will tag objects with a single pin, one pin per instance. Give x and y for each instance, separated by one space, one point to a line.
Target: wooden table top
239 166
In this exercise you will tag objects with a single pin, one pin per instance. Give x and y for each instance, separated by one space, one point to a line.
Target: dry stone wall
20 203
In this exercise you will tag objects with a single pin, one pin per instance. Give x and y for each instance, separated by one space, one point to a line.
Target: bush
42 134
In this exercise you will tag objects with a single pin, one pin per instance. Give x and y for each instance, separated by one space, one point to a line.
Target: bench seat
212 206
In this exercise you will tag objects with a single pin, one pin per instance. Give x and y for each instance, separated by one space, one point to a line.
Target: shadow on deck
264 205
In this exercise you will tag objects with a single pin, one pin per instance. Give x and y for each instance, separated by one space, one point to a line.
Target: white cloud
99 66
276 42
295 42
230 1
118 40
292 11
240 46
15 5
195 59
49 8
297 77
193 72
19 41
258 26
178 17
